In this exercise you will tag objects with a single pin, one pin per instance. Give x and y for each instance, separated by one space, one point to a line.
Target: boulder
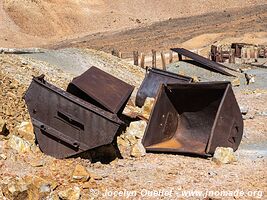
129 143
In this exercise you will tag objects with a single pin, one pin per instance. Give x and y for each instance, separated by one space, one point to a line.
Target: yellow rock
148 105
19 144
138 150
236 82
25 130
224 155
80 174
70 194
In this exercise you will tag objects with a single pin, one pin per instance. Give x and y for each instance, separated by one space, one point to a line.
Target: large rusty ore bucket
194 118
152 82
66 125
101 89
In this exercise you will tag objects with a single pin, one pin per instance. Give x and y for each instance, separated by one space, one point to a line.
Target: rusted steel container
65 125
152 82
194 118
101 89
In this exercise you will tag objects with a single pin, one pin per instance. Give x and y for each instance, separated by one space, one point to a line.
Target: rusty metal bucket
194 118
66 125
101 89
154 78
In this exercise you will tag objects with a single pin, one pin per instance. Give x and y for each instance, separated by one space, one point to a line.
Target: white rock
224 155
138 150
19 144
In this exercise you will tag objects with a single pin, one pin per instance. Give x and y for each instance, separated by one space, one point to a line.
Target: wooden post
135 55
120 55
180 57
248 53
231 56
154 58
170 57
163 61
142 60
113 52
256 52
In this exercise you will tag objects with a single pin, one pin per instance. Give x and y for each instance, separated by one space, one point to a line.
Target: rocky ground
27 173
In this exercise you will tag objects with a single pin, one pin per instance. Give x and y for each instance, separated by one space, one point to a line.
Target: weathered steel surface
66 125
101 89
204 61
194 118
152 82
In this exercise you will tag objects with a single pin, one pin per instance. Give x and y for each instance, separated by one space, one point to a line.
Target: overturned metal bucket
152 82
194 118
101 89
65 125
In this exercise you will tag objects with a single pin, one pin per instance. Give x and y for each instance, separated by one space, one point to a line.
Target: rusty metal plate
152 82
65 125
204 61
194 118
101 89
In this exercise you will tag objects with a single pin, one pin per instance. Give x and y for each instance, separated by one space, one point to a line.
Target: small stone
25 130
3 157
95 176
45 188
195 79
224 155
39 187
37 163
80 173
235 82
212 173
132 111
70 194
244 110
136 129
90 184
138 150
15 189
147 108
19 144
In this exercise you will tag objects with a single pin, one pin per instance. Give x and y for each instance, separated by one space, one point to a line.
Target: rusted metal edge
216 85
107 115
170 74
86 82
200 59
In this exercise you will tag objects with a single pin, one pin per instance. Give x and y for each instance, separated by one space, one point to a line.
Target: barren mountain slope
40 22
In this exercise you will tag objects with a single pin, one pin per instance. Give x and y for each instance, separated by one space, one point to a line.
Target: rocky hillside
41 22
